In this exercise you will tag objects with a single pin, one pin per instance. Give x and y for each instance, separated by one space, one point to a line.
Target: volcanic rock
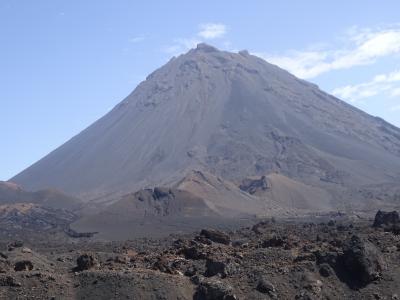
8 281
254 185
219 265
24 265
390 221
325 270
274 241
214 290
85 262
216 236
264 286
194 252
362 260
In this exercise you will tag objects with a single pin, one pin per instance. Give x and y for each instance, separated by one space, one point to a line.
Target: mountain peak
206 48
232 115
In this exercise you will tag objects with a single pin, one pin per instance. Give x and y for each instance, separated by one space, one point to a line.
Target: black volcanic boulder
194 252
274 241
216 236
214 267
219 265
23 265
266 287
390 221
386 218
362 261
85 262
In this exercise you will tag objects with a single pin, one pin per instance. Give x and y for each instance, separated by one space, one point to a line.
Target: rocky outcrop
253 186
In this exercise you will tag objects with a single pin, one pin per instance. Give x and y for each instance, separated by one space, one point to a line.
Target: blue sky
63 64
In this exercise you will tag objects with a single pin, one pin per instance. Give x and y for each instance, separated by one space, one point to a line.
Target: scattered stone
220 266
216 236
214 290
331 223
26 250
264 286
190 271
193 252
163 265
15 244
326 257
275 241
4 266
121 259
325 270
9 281
261 227
214 267
197 279
240 243
311 283
305 257
203 240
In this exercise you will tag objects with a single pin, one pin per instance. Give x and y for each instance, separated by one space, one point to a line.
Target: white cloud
362 47
211 30
386 84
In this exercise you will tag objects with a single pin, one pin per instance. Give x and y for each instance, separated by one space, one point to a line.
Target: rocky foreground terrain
331 257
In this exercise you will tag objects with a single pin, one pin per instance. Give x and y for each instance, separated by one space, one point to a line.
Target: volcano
237 133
